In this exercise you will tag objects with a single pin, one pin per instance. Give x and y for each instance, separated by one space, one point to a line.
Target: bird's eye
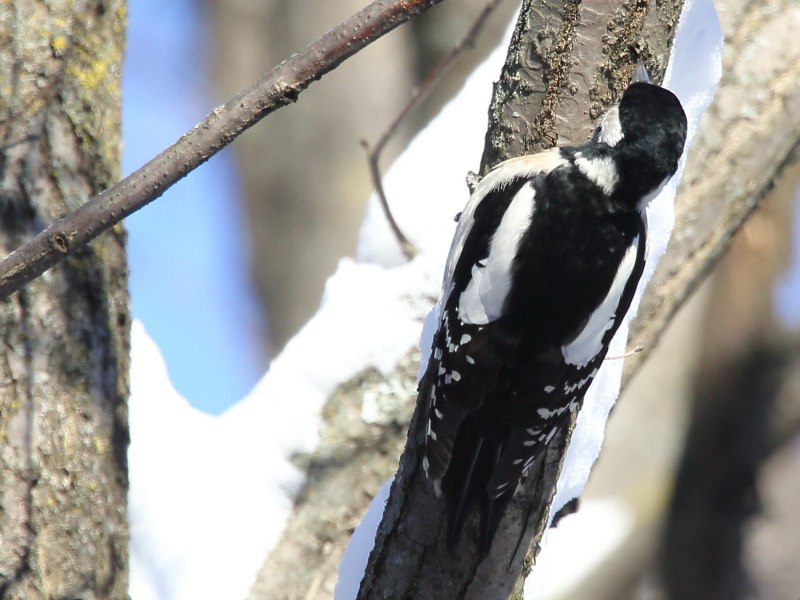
457 217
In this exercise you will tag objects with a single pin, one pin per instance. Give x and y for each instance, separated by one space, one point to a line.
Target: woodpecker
543 266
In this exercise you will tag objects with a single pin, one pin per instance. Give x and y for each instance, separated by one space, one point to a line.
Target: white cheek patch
589 342
482 300
610 127
602 171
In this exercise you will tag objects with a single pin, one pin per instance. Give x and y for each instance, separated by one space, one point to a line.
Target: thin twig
278 88
408 249
419 93
628 354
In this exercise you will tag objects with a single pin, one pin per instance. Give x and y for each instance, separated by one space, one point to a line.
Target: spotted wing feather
551 388
470 347
467 360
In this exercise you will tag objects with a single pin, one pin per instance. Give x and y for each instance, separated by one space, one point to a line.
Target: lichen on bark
64 338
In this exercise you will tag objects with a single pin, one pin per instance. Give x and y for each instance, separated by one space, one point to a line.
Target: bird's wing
472 343
553 385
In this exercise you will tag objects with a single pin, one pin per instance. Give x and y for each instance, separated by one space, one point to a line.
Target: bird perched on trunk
544 264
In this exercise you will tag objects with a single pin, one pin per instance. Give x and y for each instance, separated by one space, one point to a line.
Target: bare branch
279 87
419 93
409 250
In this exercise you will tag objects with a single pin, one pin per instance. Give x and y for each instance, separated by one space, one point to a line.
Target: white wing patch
589 342
499 177
610 127
483 298
602 171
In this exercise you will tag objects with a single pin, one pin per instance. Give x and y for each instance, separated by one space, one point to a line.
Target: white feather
610 127
589 341
483 298
499 177
602 171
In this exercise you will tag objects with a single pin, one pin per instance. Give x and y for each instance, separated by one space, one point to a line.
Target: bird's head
645 134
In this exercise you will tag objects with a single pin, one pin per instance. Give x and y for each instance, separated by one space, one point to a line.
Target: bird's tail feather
475 457
460 498
495 509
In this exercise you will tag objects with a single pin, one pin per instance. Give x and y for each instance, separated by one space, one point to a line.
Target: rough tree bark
567 61
64 338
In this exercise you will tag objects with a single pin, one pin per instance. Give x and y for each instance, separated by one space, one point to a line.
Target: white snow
578 545
354 559
203 506
210 495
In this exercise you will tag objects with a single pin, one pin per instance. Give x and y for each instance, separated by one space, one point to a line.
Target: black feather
499 389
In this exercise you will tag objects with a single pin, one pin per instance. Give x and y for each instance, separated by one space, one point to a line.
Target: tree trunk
64 338
564 64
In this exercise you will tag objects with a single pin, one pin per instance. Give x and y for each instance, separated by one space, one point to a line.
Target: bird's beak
641 74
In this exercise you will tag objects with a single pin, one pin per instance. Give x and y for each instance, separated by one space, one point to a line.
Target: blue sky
187 250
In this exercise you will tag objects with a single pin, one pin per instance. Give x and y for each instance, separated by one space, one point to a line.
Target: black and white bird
544 264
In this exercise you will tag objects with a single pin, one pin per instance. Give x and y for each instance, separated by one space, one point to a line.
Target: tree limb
279 87
64 340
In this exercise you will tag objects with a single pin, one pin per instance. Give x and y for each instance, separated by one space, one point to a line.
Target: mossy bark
64 338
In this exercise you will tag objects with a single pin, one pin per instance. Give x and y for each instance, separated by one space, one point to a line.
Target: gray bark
64 338
567 61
